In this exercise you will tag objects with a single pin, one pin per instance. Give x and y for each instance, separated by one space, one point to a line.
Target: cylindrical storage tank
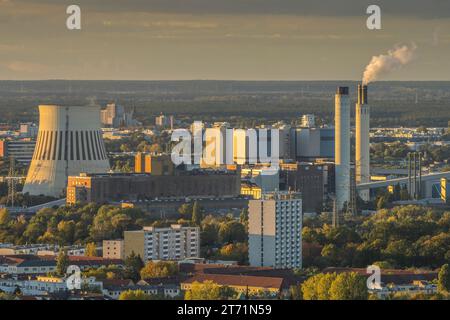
69 142
342 147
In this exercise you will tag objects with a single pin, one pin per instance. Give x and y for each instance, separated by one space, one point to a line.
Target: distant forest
392 103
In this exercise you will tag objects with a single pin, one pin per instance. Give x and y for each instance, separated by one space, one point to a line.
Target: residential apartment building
275 230
113 249
173 243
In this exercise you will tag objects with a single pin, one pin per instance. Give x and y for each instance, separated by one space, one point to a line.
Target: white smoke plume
385 63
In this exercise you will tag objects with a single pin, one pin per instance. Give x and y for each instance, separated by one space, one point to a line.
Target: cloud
419 8
5 47
25 67
160 24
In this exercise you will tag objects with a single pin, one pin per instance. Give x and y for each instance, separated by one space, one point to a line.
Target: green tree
109 222
91 250
196 214
6 296
209 234
135 295
62 262
349 286
66 231
318 286
133 266
232 231
4 217
209 290
381 203
185 210
243 217
235 251
444 279
159 269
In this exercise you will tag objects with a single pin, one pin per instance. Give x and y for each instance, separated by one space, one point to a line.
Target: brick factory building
113 187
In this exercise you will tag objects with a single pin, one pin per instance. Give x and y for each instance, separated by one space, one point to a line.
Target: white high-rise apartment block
275 230
173 243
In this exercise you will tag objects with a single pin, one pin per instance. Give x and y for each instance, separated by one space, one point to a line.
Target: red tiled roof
238 280
207 267
288 276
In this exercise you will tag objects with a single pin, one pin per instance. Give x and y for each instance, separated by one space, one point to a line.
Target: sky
219 39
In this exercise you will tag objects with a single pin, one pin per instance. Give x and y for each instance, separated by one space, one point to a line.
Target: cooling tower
342 147
362 157
69 142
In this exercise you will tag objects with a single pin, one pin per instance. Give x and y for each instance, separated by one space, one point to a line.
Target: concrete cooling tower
69 142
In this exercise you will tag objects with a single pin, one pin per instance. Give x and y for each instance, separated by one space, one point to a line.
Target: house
34 264
398 281
114 288
251 285
42 285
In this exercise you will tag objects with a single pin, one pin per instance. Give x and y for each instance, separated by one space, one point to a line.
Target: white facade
173 243
240 146
342 147
43 285
275 230
216 148
20 269
69 142
40 249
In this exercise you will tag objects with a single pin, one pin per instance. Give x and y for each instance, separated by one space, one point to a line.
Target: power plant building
69 142
115 187
310 143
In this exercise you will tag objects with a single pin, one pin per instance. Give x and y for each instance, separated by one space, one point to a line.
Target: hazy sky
219 39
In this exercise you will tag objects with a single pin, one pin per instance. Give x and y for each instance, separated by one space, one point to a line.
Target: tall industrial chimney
342 147
69 142
362 157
